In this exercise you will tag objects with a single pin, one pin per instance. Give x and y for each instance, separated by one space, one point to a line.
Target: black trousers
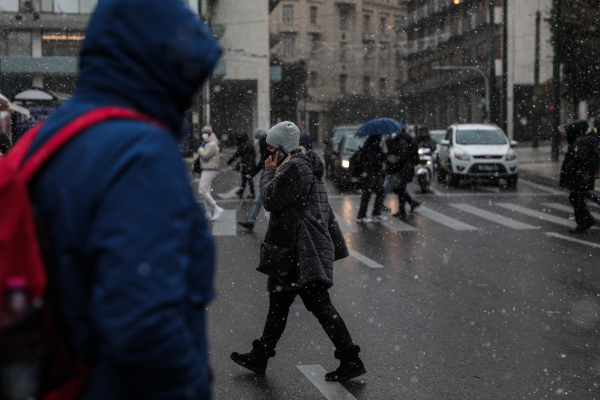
371 184
582 215
403 197
316 300
250 184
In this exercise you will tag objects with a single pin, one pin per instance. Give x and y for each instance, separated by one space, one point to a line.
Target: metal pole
491 53
487 85
505 65
536 78
556 78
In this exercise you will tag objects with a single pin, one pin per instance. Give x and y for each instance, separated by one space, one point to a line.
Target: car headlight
461 155
421 151
345 164
511 155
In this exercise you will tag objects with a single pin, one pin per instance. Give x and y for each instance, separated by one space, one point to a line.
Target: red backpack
34 357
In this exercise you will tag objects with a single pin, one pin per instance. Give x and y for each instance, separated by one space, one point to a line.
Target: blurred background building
346 47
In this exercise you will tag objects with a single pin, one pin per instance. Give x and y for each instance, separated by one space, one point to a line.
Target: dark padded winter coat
246 152
402 156
577 172
320 240
372 157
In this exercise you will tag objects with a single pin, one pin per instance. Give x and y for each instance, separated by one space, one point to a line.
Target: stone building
457 33
350 46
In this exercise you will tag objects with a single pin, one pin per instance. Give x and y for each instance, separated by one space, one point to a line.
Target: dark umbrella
380 126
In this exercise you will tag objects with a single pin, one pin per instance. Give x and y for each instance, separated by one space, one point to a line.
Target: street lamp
485 78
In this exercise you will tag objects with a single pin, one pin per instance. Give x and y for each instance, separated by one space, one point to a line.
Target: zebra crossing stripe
538 214
398 225
363 259
565 208
344 226
226 224
498 219
445 220
542 187
331 390
571 239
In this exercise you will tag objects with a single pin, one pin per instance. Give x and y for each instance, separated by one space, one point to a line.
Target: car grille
487 168
488 157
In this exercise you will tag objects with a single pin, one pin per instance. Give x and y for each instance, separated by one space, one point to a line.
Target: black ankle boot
256 360
350 367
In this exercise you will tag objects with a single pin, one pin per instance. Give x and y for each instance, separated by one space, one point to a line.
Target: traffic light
456 2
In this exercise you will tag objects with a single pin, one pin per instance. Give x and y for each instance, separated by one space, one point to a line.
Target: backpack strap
28 168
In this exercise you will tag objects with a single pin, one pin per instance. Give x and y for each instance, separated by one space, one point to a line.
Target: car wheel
441 174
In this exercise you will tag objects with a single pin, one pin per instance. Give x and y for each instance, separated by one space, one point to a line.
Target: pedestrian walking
593 132
209 154
128 243
260 137
245 152
402 156
292 189
372 159
4 144
578 170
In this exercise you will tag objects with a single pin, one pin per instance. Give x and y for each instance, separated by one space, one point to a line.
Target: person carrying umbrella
372 158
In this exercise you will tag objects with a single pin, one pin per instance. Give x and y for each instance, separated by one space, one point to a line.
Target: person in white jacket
209 154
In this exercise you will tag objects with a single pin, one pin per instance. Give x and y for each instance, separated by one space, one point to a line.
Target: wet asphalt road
484 305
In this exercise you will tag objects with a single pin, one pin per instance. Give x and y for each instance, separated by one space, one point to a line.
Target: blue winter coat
135 258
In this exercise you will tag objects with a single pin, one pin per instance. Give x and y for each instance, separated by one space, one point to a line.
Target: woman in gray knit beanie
292 189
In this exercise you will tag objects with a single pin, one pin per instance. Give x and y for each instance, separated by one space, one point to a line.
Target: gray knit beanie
285 135
260 132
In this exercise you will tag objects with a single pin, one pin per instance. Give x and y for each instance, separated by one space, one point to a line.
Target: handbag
278 250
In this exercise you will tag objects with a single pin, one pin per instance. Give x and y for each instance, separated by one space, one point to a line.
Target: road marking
363 259
344 226
542 187
229 195
489 189
538 214
436 192
499 219
570 239
399 226
568 209
445 220
331 390
225 225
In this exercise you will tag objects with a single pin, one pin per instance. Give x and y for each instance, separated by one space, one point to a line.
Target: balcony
315 29
346 3
369 37
282 27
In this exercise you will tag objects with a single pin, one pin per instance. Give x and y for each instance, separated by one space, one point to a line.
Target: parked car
472 151
332 144
340 164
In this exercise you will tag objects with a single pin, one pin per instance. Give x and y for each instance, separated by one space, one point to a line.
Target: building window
366 85
367 53
398 59
382 86
288 14
61 43
367 22
313 15
19 43
343 82
383 53
382 25
343 19
314 44
398 27
343 47
481 50
313 81
288 47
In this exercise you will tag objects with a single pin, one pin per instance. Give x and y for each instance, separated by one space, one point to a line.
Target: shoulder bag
278 251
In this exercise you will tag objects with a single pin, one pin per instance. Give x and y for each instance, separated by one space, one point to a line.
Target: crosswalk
457 217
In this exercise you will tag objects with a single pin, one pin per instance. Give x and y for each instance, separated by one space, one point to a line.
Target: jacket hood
575 130
213 138
150 55
315 162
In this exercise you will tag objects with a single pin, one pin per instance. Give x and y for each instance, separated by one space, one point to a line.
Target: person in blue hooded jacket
133 253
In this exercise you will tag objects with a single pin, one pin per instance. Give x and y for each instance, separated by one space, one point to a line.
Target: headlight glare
345 164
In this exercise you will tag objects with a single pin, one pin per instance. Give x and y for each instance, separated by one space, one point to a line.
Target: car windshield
481 137
352 144
339 135
438 136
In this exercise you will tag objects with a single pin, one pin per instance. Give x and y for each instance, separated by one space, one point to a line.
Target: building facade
350 47
463 34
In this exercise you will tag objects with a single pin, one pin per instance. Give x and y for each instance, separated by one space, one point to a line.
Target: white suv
477 152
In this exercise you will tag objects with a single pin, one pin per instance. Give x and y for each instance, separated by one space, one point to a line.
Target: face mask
205 136
256 142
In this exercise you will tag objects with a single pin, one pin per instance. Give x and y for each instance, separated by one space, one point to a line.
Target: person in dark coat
402 157
578 171
593 132
423 139
247 154
133 255
372 158
4 144
295 191
261 136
